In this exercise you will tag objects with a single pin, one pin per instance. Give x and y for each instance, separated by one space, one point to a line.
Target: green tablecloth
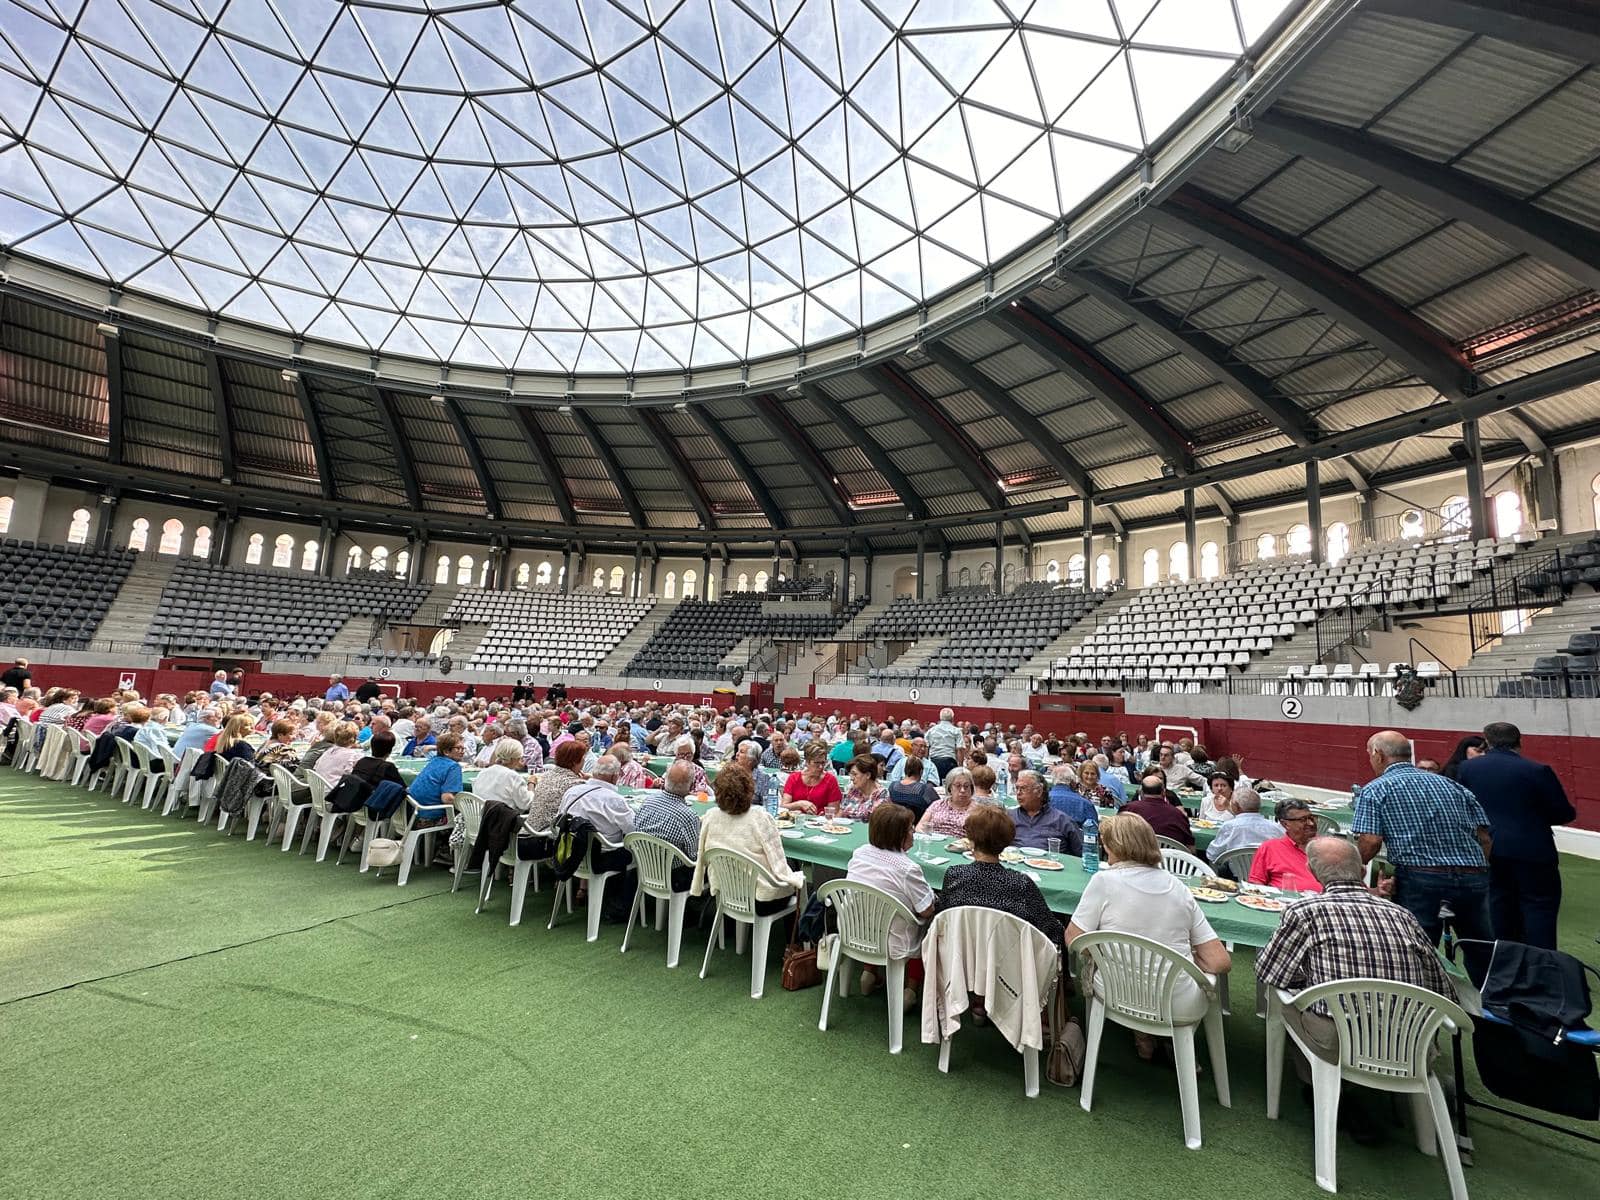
409 768
657 765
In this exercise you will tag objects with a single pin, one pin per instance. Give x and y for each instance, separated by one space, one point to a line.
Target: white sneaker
869 982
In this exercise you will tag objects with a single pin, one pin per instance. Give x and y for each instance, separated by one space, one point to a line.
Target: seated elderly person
884 864
1093 790
735 824
747 756
504 781
199 731
597 801
985 883
685 752
666 813
552 785
278 752
376 768
337 761
1136 895
437 785
919 750
950 815
632 772
233 742
321 739
1037 820
152 737
1217 803
421 741
1246 828
1179 775
865 792
1162 815
1281 862
912 790
1065 796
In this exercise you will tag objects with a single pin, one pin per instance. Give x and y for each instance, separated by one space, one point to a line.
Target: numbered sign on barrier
915 694
656 685
1292 707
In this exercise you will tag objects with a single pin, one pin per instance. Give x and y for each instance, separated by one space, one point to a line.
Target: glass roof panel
598 185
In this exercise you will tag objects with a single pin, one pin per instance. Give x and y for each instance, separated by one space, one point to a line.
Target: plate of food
1043 864
960 845
1011 855
1210 895
1263 903
1219 885
789 831
1202 823
836 827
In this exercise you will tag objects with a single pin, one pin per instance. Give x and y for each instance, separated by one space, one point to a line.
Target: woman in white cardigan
735 825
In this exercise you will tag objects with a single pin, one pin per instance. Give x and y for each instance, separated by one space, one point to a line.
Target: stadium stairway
128 619
1546 635
616 662
1074 635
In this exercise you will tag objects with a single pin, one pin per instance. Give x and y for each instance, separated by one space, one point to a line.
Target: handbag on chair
800 968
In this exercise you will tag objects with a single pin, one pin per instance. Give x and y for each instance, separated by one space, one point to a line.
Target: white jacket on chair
996 955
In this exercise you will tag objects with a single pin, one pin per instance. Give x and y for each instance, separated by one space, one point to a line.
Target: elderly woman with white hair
949 815
503 780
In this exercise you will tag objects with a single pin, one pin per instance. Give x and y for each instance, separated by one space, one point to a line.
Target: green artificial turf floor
183 1014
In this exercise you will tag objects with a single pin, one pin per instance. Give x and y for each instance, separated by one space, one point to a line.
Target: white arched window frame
7 503
985 574
402 564
139 535
1299 539
253 549
352 560
1267 546
1074 571
171 537
672 585
1152 567
617 578
1455 515
1411 524
310 554
1052 571
599 577
1102 570
546 573
441 570
1508 515
852 583
524 574
1338 542
283 551
78 531
744 581
464 566
963 577
1210 560
761 581
690 578
202 542
379 560
1178 560
483 572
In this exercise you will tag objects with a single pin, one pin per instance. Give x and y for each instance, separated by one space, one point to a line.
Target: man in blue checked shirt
1435 833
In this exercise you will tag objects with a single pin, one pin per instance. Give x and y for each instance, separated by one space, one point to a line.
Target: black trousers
945 765
1525 900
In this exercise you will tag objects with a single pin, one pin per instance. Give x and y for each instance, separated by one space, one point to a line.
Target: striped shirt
1425 820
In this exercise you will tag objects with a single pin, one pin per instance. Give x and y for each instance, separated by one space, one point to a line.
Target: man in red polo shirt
1281 862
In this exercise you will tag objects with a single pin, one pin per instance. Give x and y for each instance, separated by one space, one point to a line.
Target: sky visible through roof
578 186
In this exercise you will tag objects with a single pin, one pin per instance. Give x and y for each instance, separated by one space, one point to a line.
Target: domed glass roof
577 185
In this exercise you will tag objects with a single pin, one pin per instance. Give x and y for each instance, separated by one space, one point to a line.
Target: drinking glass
1052 845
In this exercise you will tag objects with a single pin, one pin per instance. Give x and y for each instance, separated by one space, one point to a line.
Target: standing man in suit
1523 799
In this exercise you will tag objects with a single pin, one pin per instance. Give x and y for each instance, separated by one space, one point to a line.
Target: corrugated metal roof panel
1521 286
1302 195
1379 225
1367 66
1571 410
1232 175
1578 198
1547 143
1267 483
1453 253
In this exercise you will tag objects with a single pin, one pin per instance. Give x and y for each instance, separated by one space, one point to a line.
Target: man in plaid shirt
1435 833
1345 932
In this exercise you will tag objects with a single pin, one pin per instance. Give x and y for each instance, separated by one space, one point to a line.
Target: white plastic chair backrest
1167 843
1385 1029
1003 926
319 792
1136 976
87 740
865 914
1183 864
1238 861
733 878
282 780
169 761
186 766
124 749
469 811
654 859
142 754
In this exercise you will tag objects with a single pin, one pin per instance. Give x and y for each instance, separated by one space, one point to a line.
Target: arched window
253 548
1411 524
1152 567
1594 486
617 575
852 583
202 542
1456 515
283 551
1052 572
689 580
1267 546
310 555
78 531
744 581
7 503
599 577
985 575
1210 560
524 574
546 573
139 535
352 560
1178 560
483 573
711 586
1074 571
1102 570
379 560
1338 542
464 570
672 585
761 581
402 564
1299 539
171 536
964 577
441 572
1507 514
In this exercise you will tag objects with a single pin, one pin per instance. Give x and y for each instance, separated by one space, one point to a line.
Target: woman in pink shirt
105 712
1281 862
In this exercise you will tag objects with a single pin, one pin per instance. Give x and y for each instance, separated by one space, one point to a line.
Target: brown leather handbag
800 968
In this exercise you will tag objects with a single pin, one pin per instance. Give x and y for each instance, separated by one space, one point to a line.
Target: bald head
606 768
1334 860
1389 746
679 778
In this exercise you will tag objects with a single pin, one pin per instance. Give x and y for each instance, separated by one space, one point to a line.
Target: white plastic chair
28 746
653 861
520 870
1134 981
284 806
410 835
178 791
321 820
1167 843
123 770
1237 861
145 771
1183 864
597 886
734 877
865 915
469 811
1386 1036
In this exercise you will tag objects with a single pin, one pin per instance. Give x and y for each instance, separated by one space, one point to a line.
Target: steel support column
999 557
922 562
1190 539
1088 543
1477 502
1314 511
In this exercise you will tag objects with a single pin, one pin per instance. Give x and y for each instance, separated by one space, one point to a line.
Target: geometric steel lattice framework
578 185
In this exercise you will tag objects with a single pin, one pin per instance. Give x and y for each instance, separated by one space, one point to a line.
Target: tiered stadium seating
57 595
694 639
988 635
545 631
268 612
1183 633
805 589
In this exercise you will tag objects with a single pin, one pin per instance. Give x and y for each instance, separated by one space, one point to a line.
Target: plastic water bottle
769 793
1091 845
